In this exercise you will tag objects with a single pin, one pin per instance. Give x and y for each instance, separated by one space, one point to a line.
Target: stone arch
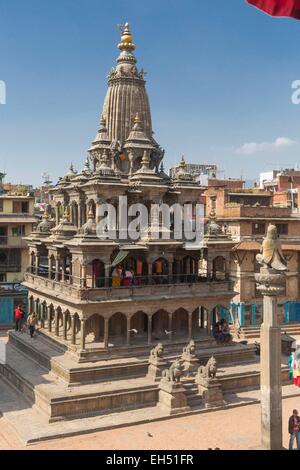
95 325
180 323
139 322
219 268
117 328
200 321
160 324
74 213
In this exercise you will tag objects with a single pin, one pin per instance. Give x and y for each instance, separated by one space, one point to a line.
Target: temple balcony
147 286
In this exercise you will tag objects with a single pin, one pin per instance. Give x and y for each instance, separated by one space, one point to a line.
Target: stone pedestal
190 364
270 283
155 369
172 398
211 392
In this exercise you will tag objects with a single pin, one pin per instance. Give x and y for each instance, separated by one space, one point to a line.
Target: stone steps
253 332
64 366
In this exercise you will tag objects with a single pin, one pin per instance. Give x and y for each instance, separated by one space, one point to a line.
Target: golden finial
126 43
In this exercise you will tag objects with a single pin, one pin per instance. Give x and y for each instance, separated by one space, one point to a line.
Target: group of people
221 331
122 277
21 323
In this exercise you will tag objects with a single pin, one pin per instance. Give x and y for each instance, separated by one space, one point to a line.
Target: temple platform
60 388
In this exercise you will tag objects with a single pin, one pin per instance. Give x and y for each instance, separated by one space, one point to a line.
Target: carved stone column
73 330
150 329
170 326
270 283
56 322
57 267
82 334
106 331
128 331
190 325
49 319
209 318
65 326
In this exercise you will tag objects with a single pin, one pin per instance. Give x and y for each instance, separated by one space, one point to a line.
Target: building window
1 205
20 207
18 231
282 229
258 229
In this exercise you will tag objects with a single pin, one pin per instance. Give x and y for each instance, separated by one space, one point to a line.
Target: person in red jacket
18 318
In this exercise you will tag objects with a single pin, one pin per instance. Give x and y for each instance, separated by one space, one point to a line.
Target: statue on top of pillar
271 254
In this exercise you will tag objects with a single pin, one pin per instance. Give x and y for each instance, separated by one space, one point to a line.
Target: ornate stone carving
209 371
157 364
271 254
174 373
157 352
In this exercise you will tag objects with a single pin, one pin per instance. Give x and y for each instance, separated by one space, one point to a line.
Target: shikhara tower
126 125
86 314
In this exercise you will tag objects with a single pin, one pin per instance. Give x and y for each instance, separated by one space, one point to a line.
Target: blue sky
219 78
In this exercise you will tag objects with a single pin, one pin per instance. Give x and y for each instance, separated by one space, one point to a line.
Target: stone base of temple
63 389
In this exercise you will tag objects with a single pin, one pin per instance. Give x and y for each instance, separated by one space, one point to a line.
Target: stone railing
120 293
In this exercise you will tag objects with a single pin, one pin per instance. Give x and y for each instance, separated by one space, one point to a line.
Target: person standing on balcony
31 322
117 276
18 318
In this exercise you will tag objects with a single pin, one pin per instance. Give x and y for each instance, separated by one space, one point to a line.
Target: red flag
290 8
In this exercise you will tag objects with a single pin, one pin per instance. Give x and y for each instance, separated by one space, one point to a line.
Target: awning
119 258
247 246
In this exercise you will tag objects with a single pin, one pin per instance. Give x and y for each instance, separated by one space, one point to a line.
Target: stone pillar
49 319
65 326
106 330
82 334
170 326
63 270
107 274
128 331
270 284
73 330
190 325
57 268
83 275
49 267
56 322
150 329
209 318
37 263
57 215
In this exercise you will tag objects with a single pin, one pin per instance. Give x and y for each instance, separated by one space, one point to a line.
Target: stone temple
96 331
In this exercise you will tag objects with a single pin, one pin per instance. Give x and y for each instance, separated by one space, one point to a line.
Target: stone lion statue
190 349
157 352
174 373
210 370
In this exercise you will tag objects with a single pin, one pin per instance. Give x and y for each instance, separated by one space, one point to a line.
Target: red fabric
289 8
18 314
